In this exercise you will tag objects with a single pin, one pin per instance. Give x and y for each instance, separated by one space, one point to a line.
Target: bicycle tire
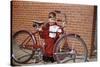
14 46
58 45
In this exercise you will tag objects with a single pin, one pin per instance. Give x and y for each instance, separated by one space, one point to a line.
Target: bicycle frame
33 46
38 45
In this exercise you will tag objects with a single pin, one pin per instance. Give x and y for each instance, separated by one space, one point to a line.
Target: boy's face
52 21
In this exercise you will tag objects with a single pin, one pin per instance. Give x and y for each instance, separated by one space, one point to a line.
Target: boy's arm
60 31
43 31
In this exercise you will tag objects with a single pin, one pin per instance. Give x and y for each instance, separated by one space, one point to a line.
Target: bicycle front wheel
22 50
70 48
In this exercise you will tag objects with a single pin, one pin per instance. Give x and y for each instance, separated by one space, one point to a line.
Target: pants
49 46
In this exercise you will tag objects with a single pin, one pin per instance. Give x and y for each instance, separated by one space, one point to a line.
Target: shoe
51 59
45 59
48 59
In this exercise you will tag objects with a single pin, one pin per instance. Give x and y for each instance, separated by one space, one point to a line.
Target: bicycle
26 46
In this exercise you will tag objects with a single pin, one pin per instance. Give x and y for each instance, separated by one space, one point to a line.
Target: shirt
53 30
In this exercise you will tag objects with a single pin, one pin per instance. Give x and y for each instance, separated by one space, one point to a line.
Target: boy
50 33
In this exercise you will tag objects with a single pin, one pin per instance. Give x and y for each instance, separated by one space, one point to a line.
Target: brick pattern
79 17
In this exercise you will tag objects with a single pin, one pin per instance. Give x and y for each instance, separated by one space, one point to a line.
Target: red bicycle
27 45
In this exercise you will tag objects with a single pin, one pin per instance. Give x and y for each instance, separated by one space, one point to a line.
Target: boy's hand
39 29
60 34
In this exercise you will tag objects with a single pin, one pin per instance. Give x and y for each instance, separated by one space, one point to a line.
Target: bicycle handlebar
64 14
57 11
38 23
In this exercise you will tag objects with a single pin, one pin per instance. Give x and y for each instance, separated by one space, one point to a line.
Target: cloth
53 30
49 34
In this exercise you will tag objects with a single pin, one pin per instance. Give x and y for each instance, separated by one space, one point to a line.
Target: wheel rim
21 54
70 48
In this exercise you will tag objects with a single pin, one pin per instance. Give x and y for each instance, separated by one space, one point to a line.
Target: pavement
31 62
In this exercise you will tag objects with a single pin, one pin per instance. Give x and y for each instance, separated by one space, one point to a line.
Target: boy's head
52 18
52 15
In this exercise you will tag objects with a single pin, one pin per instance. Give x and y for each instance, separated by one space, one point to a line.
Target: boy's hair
53 13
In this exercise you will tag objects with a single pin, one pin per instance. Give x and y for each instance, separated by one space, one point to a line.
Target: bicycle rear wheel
70 48
22 46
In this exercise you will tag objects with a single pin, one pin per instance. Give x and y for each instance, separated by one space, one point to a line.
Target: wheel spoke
70 48
21 53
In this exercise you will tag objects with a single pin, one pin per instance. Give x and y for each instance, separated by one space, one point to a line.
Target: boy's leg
49 49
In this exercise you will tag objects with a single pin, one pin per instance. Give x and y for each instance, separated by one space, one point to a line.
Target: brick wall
79 17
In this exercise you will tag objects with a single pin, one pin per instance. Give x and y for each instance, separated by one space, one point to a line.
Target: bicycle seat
37 23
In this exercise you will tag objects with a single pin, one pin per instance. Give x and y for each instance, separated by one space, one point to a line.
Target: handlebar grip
57 11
